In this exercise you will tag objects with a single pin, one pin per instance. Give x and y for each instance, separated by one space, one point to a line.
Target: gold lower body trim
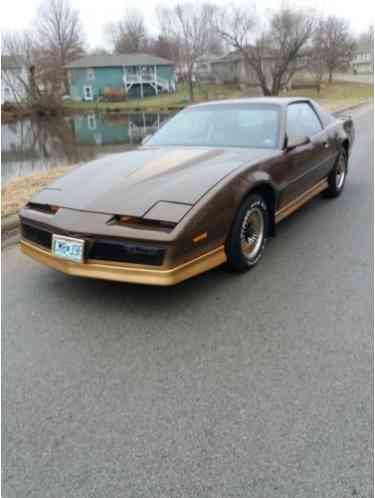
131 274
301 200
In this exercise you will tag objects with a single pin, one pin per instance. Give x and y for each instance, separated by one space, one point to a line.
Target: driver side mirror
293 142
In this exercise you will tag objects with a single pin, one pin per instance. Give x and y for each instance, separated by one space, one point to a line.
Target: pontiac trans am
208 188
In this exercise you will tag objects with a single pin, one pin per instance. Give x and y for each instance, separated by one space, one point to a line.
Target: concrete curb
12 222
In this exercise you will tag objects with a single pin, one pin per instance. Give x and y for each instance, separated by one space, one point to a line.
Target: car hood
131 183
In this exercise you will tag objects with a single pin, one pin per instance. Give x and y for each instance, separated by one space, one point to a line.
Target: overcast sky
19 14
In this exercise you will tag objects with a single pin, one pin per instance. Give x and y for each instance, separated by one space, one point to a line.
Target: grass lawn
332 97
18 192
162 102
338 95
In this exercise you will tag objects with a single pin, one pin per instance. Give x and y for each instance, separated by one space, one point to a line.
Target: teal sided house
120 76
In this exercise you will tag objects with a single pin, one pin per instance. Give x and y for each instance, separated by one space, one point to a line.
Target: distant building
363 61
119 76
203 68
232 68
13 73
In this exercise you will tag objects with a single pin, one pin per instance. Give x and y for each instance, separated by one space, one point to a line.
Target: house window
90 74
91 122
98 138
87 92
78 122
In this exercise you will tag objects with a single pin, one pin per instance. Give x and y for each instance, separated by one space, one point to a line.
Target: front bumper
122 272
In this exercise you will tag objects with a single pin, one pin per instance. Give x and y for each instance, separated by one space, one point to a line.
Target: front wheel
248 236
337 177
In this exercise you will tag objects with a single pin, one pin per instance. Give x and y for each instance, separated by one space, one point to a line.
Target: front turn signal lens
200 237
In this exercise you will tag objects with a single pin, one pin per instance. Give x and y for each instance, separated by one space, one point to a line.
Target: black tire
336 182
252 214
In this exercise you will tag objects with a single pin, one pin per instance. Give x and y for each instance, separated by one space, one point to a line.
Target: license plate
68 248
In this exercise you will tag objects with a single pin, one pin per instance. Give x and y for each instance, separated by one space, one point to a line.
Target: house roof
208 57
236 55
118 60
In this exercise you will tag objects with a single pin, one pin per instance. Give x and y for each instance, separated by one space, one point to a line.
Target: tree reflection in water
38 144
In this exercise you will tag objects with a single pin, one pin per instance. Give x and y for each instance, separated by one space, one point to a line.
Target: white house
363 61
13 74
203 68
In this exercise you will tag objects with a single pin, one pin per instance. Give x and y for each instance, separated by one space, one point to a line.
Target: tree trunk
330 74
33 93
191 88
263 85
66 84
275 90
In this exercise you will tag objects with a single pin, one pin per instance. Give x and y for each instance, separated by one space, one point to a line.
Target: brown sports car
208 188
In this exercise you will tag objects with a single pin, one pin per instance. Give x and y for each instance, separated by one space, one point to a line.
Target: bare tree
272 54
17 72
316 62
24 77
129 34
98 51
215 43
60 40
188 25
338 44
366 39
165 47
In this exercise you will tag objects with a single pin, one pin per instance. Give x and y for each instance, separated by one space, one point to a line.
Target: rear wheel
248 236
337 177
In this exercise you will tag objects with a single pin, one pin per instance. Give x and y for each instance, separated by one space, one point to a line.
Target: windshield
222 125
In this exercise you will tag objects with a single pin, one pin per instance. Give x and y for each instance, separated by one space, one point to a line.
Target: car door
305 164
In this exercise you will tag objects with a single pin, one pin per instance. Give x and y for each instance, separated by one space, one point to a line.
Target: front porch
144 77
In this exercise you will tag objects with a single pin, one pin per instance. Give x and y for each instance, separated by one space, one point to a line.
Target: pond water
36 145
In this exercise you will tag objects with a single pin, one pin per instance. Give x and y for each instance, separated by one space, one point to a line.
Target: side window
302 121
90 73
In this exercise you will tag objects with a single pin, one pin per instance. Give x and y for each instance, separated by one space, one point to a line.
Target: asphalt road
257 385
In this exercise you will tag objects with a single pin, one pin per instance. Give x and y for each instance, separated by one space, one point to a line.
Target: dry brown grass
338 95
18 192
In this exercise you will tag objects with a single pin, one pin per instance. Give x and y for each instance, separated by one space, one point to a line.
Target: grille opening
44 208
98 249
36 235
126 253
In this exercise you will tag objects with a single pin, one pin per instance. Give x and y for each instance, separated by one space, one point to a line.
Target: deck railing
137 78
132 79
